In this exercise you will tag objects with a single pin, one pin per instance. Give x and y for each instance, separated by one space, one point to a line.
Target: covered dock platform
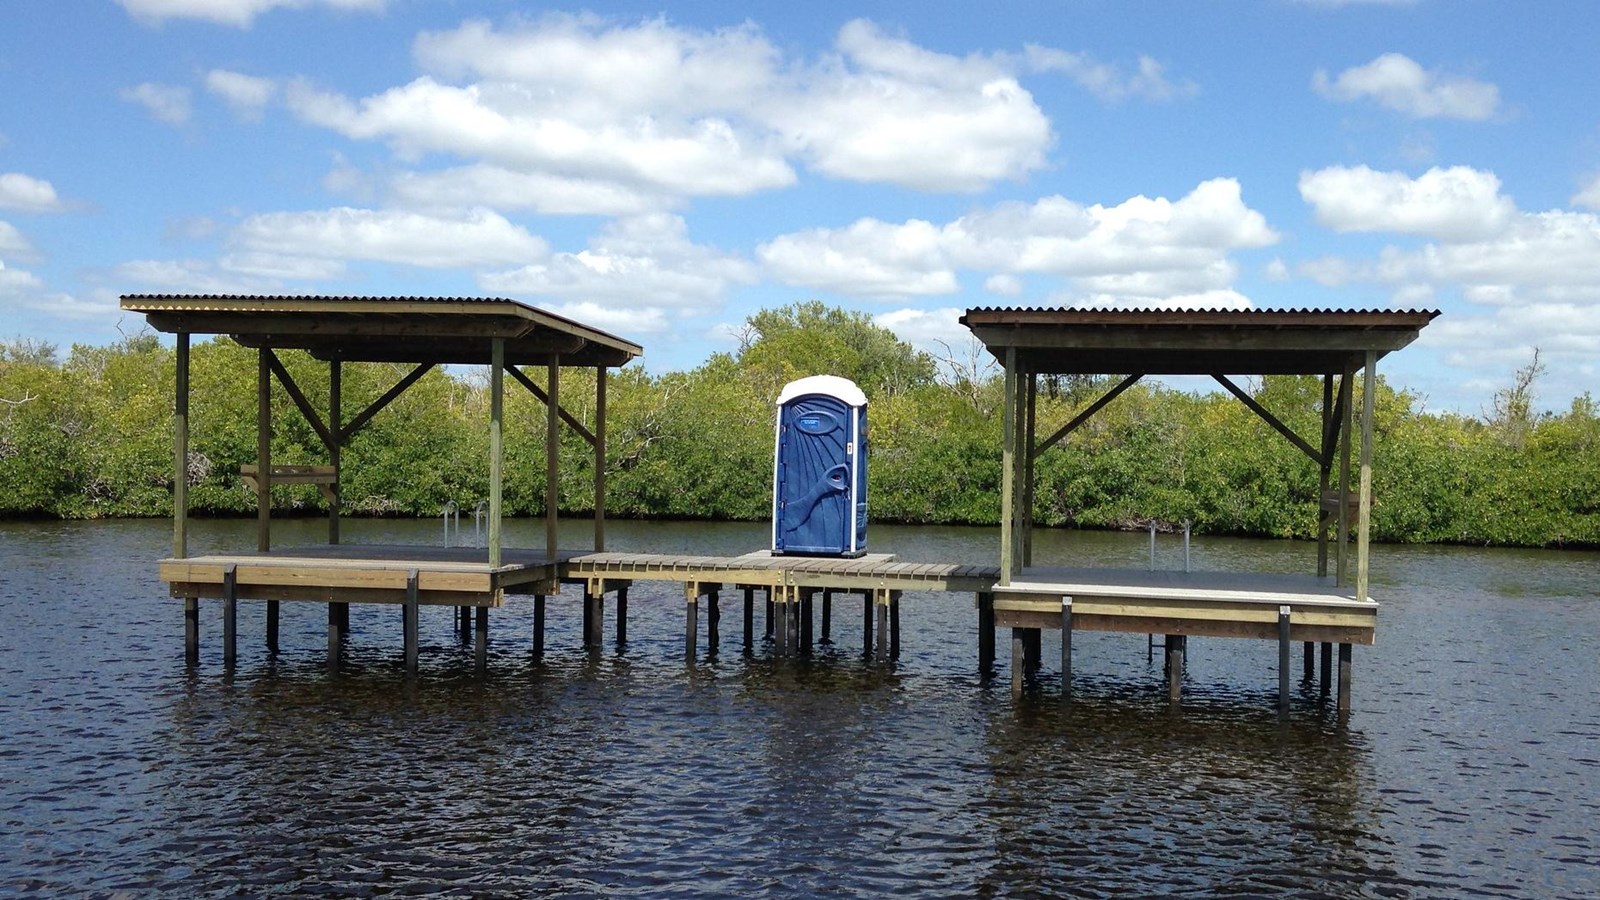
425 332
1312 609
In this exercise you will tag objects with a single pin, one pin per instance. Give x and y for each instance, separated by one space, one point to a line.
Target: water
1471 765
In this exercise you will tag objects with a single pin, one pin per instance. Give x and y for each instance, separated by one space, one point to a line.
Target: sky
662 170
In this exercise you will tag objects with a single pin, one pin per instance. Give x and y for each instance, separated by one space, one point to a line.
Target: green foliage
91 436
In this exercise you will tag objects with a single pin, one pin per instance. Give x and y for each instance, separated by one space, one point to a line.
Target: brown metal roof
1193 342
388 329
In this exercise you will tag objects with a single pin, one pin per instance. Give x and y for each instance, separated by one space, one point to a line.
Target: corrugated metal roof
1097 340
388 328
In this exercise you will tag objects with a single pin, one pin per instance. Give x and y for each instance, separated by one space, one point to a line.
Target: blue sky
663 170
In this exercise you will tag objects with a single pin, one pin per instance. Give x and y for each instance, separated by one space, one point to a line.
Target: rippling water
1471 765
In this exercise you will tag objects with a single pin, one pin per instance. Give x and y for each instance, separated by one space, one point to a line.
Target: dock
1331 609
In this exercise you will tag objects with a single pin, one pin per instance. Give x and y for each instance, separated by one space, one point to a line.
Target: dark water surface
1471 766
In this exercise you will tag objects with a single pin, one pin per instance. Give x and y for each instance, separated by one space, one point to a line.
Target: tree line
90 436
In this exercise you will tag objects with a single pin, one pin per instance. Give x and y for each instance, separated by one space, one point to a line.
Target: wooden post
1034 642
599 458
768 622
272 627
191 631
1310 662
691 620
1324 471
1364 516
481 644
1066 648
180 452
409 623
552 456
335 447
803 612
594 612
1008 466
1283 662
335 639
1327 668
1341 548
882 604
866 623
1026 452
714 621
1175 644
538 626
894 624
827 615
230 618
497 366
985 633
778 620
1345 663
749 617
622 615
264 449
1019 654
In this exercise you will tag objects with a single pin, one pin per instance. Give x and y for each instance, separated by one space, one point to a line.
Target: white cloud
869 258
1399 83
28 194
1458 203
517 127
889 111
1276 270
507 189
188 276
1108 82
167 103
1141 249
238 13
617 320
641 263
278 267
478 238
246 94
932 330
14 282
1004 285
1534 278
600 72
1589 195
624 118
14 244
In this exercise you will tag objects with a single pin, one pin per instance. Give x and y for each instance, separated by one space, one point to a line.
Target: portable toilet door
819 495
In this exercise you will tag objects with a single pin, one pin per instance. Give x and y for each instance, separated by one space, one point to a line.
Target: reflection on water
1471 764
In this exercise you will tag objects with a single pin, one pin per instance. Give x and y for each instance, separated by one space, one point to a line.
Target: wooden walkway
877 571
1177 605
1307 609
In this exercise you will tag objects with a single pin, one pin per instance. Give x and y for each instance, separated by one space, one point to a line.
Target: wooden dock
1286 608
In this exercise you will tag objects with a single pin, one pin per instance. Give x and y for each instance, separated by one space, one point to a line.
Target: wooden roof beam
1267 416
544 398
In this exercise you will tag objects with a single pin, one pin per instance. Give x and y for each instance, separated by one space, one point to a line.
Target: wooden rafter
525 381
1267 416
1084 416
360 421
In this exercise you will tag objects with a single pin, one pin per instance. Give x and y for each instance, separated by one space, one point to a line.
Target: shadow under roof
388 329
1193 342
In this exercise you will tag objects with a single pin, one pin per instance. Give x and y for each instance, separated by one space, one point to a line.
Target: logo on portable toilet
819 483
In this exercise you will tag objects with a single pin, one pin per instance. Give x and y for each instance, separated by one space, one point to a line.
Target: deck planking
1212 604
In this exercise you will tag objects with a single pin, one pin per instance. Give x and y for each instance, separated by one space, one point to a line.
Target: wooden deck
1211 604
366 573
875 571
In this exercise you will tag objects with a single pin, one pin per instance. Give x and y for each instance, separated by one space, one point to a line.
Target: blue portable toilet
819 469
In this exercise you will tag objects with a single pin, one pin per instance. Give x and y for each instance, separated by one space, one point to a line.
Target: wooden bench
324 477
